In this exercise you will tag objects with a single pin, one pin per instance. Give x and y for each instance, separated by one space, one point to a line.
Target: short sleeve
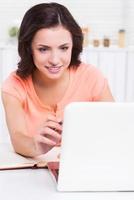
99 84
14 86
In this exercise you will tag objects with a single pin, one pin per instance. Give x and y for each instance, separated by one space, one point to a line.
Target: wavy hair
46 15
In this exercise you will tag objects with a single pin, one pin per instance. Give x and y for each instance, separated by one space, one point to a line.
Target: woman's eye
64 48
42 49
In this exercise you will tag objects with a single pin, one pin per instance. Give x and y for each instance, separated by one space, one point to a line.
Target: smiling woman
50 75
52 57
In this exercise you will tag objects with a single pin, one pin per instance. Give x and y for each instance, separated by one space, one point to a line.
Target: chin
54 76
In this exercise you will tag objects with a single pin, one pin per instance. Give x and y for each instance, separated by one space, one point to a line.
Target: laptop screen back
97 152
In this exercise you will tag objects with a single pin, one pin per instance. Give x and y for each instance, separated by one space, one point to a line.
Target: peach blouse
86 84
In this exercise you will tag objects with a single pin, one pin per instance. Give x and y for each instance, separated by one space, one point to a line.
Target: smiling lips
53 69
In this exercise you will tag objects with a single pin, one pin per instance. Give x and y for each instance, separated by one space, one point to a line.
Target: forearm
24 145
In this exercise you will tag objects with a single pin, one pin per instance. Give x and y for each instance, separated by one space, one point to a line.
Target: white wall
104 17
4 135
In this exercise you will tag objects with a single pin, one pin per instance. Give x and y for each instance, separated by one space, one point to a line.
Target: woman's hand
49 135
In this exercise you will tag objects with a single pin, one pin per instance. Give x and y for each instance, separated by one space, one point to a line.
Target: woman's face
52 51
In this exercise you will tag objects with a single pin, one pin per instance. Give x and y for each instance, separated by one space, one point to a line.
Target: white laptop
97 152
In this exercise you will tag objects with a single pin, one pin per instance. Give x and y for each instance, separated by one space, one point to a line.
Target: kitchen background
108 30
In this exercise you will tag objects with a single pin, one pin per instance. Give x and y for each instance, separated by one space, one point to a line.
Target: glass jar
106 42
96 43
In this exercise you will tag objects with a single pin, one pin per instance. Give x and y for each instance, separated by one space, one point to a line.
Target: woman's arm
106 95
15 118
22 142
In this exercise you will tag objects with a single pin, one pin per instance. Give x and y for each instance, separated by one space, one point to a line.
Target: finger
58 144
51 132
46 140
54 125
51 117
61 122
54 119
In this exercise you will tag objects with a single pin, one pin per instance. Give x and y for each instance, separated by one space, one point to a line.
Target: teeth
53 69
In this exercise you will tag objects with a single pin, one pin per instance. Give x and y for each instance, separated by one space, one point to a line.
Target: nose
54 58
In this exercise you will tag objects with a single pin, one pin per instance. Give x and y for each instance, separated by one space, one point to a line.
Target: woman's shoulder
85 70
16 86
14 79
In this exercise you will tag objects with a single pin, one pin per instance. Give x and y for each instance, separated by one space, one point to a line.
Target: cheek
38 58
68 56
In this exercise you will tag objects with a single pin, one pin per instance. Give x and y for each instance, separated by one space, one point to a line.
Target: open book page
11 160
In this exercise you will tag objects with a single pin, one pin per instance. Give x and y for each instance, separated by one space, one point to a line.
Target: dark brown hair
40 16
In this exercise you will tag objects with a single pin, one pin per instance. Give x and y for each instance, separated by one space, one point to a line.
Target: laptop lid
97 151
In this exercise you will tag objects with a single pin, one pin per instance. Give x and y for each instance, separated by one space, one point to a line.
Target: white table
37 184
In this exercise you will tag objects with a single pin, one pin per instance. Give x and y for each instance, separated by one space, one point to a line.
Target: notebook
9 160
97 150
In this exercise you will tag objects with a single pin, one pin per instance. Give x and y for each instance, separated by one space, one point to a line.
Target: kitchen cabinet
117 65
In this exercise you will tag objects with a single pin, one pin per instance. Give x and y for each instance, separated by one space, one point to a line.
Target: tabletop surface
39 184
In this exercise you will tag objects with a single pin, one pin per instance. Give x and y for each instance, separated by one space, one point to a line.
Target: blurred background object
121 38
106 41
85 31
13 31
13 34
96 42
105 17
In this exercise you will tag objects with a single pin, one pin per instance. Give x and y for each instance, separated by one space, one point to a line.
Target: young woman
49 76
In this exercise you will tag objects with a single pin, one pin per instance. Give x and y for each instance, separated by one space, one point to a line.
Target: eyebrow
46 46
